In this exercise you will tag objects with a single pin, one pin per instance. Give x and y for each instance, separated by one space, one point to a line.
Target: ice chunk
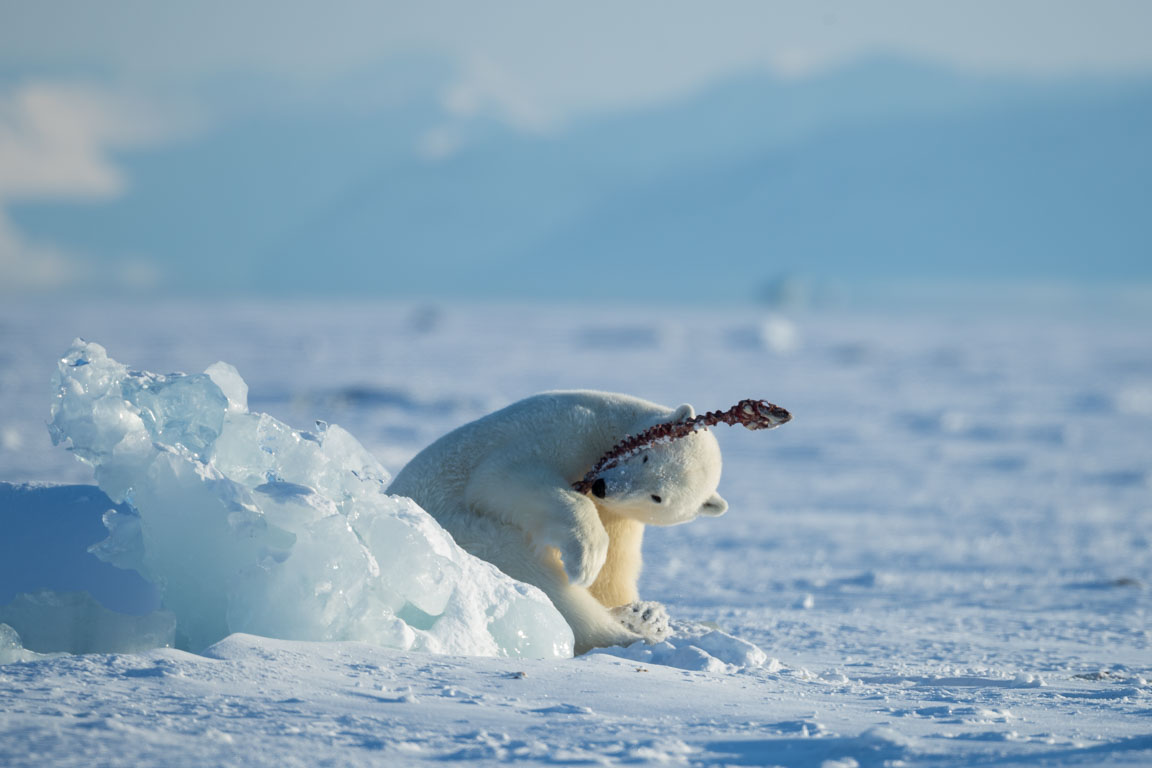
234 388
73 622
773 334
178 410
46 535
11 649
248 525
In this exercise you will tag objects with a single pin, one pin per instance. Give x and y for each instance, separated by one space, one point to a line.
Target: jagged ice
248 525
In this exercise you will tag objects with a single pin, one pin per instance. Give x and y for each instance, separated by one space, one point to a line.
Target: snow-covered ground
946 553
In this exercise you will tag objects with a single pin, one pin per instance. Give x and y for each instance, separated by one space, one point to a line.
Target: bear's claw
646 618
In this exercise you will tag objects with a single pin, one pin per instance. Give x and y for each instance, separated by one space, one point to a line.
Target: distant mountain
1058 188
884 170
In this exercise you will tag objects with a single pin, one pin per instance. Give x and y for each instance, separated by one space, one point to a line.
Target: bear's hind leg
510 550
593 625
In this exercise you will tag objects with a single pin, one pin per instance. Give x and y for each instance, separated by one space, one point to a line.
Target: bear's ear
715 506
683 413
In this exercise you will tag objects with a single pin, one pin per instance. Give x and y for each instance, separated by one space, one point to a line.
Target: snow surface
945 556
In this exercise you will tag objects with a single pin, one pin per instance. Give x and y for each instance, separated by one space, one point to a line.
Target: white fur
502 486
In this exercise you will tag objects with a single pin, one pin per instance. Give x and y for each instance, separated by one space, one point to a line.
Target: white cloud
56 142
481 89
484 88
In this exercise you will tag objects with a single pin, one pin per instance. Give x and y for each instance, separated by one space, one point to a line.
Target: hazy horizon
513 152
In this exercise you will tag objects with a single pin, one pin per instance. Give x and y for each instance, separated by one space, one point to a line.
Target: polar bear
502 486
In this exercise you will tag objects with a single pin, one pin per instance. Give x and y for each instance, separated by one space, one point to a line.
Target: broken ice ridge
248 525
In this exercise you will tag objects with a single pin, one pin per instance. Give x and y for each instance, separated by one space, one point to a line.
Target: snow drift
248 525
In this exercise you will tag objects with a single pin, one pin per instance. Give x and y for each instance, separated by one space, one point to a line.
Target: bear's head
667 483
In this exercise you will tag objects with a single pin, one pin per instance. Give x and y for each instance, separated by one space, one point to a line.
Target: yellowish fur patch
616 583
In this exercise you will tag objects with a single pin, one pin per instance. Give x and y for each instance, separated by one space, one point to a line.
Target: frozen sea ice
249 525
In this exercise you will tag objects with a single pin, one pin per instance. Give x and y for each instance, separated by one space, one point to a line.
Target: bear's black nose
599 488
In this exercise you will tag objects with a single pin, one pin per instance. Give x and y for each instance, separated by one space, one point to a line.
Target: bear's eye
645 460
656 498
599 488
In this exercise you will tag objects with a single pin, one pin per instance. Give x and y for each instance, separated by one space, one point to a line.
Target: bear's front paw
584 556
645 618
583 549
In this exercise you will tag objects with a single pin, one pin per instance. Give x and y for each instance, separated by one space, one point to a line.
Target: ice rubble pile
11 649
248 525
76 622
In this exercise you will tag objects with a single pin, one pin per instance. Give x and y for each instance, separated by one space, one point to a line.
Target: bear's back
566 431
